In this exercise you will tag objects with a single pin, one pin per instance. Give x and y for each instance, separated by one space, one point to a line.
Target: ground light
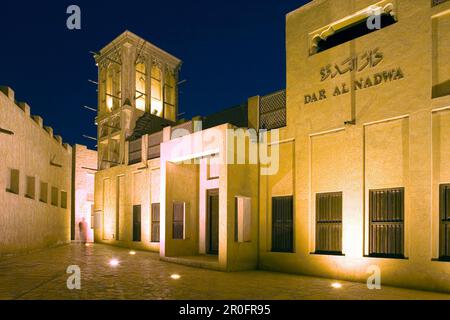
336 285
132 253
114 262
175 276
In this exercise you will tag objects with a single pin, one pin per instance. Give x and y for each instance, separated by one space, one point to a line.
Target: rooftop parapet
10 94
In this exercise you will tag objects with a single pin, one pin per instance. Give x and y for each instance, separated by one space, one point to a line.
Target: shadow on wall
441 89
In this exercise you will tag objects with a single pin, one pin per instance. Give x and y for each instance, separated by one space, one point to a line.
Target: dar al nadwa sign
357 64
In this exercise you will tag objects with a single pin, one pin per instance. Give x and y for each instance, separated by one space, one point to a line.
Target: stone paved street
42 275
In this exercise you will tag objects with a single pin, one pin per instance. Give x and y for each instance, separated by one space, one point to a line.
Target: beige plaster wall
29 224
116 191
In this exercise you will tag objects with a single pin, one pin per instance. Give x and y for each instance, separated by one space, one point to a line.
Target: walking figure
83 231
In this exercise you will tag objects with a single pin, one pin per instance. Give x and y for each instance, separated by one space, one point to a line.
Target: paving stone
42 276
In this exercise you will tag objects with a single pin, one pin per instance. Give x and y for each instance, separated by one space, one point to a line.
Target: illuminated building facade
367 163
362 137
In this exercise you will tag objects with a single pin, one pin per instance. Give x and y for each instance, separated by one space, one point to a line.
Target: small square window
54 195
63 199
31 188
14 181
43 197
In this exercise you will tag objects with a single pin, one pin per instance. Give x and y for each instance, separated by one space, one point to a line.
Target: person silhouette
83 231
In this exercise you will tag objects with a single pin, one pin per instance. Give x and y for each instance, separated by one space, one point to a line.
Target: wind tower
136 79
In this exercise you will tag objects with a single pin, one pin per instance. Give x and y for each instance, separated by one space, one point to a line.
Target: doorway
212 223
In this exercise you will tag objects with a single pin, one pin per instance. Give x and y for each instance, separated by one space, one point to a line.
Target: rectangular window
243 219
179 216
155 222
31 188
54 196
14 180
156 91
141 81
170 96
444 204
43 196
386 214
213 166
329 223
63 199
137 223
283 224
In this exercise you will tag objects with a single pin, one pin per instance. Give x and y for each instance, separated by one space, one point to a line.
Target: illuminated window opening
156 107
141 81
113 88
169 97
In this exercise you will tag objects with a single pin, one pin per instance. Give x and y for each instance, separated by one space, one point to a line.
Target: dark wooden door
137 223
213 222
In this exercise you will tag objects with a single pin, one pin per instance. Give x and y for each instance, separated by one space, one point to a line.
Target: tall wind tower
136 79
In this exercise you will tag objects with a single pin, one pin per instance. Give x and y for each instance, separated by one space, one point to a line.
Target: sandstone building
35 180
343 174
362 135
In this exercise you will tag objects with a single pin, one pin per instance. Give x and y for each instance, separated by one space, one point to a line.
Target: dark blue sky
230 50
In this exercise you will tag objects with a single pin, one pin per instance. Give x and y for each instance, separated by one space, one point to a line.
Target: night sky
231 50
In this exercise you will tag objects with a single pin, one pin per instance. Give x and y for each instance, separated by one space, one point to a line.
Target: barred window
135 151
386 209
137 223
444 203
282 224
329 223
155 222
272 111
178 221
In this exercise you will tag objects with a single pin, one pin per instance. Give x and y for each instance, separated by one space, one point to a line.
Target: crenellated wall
27 221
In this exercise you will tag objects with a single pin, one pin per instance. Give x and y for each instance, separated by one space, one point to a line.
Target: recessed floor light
336 285
114 262
132 253
175 276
